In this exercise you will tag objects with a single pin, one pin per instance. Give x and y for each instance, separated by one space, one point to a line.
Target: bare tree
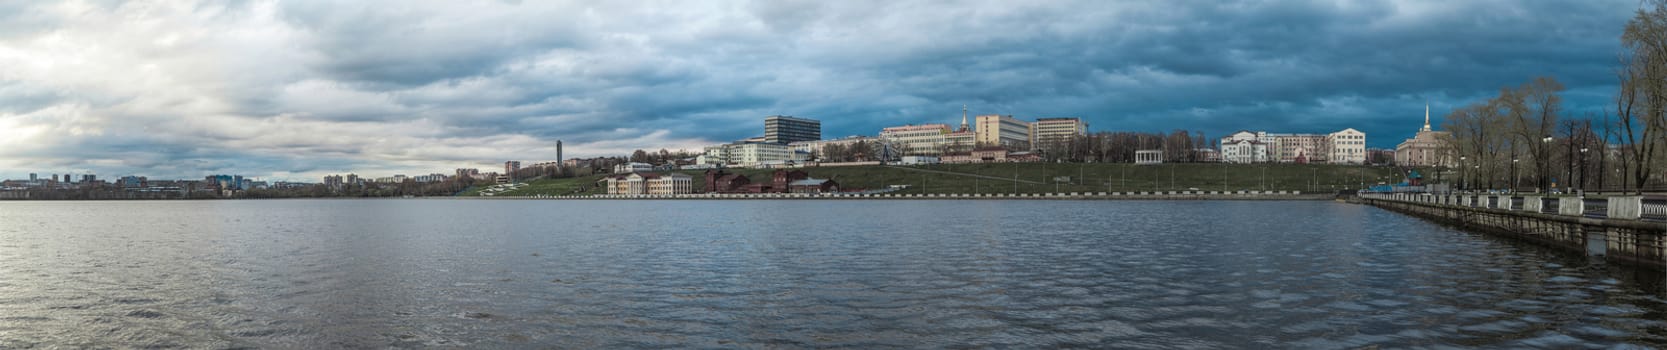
1641 104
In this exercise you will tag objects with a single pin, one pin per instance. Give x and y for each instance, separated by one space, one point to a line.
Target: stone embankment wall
1622 228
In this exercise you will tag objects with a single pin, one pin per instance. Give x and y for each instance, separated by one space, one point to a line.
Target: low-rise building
809 185
633 167
649 183
917 140
748 154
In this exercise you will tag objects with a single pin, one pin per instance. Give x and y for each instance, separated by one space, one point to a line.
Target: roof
808 182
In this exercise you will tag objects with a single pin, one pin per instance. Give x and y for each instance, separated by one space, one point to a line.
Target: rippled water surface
855 274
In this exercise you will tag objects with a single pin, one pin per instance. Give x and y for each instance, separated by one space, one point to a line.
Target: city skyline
294 91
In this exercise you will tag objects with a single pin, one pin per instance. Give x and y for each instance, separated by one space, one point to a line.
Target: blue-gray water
856 274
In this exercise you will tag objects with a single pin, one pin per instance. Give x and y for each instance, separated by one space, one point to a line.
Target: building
633 167
1426 148
752 154
133 182
809 185
718 181
818 148
649 183
918 160
1379 156
510 167
1207 155
917 140
1245 147
1148 157
1347 147
1002 131
671 183
1297 148
1056 132
787 129
1343 147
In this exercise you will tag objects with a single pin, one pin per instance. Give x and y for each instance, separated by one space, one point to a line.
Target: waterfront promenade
1623 228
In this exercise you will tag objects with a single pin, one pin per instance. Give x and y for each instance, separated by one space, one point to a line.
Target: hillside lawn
1046 177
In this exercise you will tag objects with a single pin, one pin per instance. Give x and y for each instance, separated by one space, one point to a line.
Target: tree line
1523 139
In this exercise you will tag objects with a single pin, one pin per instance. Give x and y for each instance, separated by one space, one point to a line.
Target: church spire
963 117
1426 117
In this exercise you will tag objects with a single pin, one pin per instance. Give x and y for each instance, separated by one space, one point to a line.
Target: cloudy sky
297 89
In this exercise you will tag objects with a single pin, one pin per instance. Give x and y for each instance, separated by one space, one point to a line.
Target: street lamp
1464 179
1513 187
1582 168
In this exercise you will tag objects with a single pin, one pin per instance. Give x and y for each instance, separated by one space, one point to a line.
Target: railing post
1626 207
1531 204
1571 205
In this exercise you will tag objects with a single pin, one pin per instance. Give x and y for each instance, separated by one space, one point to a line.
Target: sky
294 90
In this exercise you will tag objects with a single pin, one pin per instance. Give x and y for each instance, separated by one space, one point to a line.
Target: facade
633 167
751 154
1002 131
1298 148
809 185
671 183
718 181
511 166
1343 147
918 160
1426 148
649 183
916 140
786 129
1053 132
1245 147
1348 147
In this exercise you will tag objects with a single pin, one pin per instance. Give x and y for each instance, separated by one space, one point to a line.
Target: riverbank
1166 195
1037 178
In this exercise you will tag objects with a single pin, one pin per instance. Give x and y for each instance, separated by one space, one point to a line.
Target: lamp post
1478 169
1463 176
1582 168
1539 159
1514 179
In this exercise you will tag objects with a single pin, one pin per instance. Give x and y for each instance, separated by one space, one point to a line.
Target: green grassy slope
1041 178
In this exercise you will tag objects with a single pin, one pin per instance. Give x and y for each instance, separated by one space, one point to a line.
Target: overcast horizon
298 89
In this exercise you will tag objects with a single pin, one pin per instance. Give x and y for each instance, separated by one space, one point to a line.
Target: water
790 274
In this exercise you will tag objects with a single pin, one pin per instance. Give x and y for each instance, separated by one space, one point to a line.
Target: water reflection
879 274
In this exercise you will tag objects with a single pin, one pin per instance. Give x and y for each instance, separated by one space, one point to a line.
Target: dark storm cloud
303 87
